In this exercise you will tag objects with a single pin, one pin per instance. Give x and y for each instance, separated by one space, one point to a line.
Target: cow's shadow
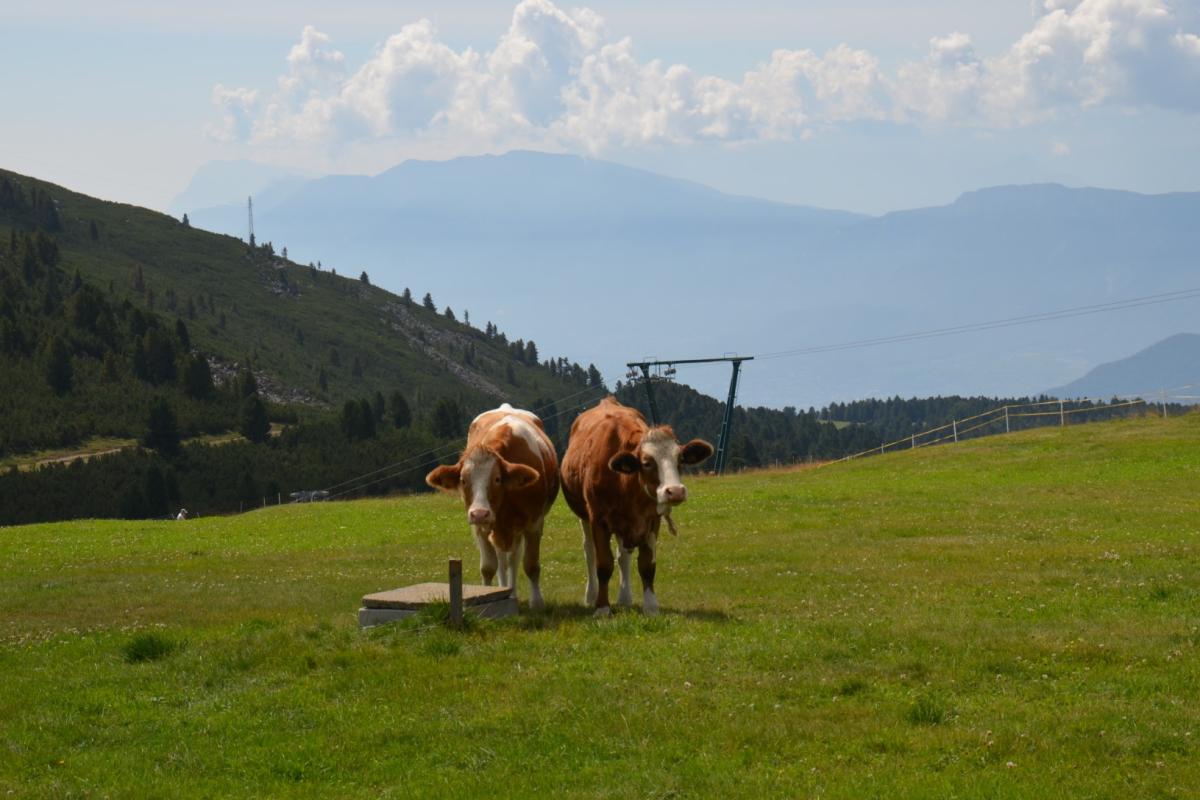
565 614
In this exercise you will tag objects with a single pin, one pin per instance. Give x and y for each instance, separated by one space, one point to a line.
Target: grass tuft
148 647
926 711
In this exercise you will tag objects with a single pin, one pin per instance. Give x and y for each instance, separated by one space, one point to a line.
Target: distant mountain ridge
1163 366
529 235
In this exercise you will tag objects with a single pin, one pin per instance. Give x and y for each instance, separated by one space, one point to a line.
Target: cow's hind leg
624 561
589 554
533 566
487 557
647 566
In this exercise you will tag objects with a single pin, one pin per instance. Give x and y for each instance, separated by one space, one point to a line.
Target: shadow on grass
557 615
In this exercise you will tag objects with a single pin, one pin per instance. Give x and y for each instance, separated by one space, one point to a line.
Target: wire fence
1019 416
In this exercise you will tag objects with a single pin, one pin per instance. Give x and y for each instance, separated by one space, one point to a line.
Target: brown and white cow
621 477
508 478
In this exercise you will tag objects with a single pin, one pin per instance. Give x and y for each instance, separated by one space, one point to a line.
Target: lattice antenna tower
250 216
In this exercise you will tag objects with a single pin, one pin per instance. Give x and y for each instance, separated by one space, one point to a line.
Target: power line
1027 319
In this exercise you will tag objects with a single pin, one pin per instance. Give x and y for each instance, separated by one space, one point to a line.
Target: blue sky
858 104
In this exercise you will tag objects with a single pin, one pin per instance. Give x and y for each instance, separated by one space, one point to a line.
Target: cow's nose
675 494
478 516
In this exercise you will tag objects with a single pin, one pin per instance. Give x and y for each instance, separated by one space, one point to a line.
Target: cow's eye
496 480
648 464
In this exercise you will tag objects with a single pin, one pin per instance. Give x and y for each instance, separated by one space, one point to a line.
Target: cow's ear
519 476
626 463
446 478
695 452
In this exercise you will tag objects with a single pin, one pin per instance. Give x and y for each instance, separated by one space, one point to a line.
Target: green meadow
1016 616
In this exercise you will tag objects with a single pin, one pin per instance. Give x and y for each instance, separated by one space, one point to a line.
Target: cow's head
656 462
483 477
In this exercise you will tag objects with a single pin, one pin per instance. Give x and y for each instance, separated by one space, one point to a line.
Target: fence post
914 441
1163 401
954 422
881 449
1062 415
456 597
1007 429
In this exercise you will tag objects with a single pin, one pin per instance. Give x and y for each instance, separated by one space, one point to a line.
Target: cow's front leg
604 569
533 566
625 561
509 562
647 567
487 556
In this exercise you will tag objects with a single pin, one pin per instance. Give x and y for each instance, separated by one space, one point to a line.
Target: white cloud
557 78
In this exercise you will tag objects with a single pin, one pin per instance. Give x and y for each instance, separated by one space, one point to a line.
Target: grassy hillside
1011 617
292 321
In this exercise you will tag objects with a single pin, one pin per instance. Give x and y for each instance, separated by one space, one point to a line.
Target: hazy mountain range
1171 366
606 263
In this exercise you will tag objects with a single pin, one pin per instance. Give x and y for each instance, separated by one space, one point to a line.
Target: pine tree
356 368
363 278
93 231
449 313
162 433
139 280
255 425
246 385
401 414
187 223
59 373
428 302
181 333
447 421
322 380
197 378
379 407
406 297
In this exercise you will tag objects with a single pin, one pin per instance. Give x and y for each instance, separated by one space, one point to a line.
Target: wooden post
1007 429
1062 415
954 422
914 442
456 597
1163 401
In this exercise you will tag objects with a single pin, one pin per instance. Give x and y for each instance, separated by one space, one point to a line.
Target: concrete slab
370 617
422 594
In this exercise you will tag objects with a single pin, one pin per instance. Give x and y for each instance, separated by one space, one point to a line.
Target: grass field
1012 617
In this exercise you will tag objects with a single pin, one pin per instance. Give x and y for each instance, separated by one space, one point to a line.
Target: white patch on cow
477 470
665 451
521 423
625 596
589 555
487 555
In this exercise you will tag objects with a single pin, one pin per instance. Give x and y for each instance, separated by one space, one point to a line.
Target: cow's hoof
603 611
650 605
589 595
625 601
537 604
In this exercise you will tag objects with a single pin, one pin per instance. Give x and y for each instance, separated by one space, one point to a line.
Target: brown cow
508 478
620 476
